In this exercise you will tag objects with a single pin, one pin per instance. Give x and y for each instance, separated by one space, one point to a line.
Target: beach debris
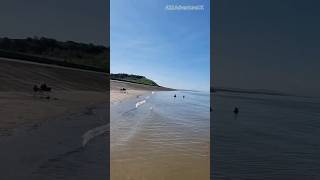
236 110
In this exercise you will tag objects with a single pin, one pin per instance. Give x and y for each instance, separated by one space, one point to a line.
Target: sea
272 137
161 137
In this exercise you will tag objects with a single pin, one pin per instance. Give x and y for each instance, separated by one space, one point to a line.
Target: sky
75 20
170 47
267 44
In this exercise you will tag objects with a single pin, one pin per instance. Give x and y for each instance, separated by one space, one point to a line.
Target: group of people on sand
43 88
123 90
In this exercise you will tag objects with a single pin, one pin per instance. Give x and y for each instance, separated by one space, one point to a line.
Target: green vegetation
133 78
69 54
45 50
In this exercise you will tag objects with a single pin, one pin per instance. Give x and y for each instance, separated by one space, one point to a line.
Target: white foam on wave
140 103
92 133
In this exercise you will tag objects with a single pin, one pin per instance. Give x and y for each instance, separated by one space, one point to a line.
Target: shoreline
117 96
52 131
132 90
57 142
41 137
72 89
156 133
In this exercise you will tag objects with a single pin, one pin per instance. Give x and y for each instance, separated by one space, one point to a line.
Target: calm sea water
163 138
273 137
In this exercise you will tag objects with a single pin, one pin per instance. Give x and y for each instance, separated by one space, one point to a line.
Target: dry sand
132 90
73 91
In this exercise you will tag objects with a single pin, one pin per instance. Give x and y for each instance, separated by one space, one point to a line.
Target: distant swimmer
175 96
183 97
236 110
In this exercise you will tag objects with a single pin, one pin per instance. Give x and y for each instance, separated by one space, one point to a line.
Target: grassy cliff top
133 78
68 52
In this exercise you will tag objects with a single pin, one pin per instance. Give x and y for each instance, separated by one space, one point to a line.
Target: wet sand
132 90
23 108
53 149
43 138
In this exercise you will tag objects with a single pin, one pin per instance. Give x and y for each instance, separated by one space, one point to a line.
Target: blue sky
169 47
267 45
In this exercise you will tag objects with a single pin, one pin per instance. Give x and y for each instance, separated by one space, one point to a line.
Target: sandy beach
72 90
37 134
22 108
132 90
51 129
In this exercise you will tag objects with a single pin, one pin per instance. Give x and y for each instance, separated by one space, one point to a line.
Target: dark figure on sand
45 88
35 88
124 90
236 110
42 88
